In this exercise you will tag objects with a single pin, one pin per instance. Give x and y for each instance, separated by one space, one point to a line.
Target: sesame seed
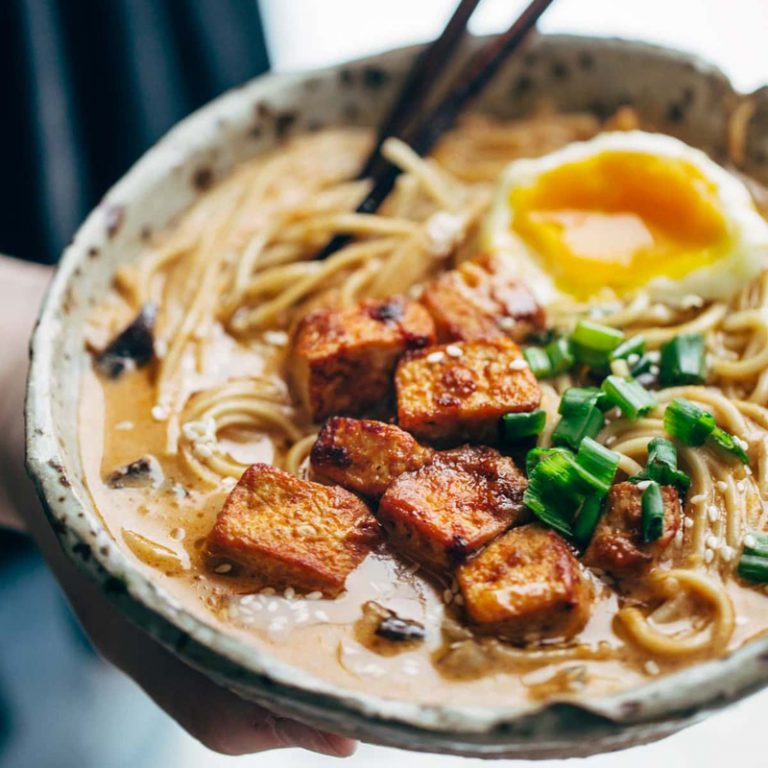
749 540
741 486
712 541
610 440
643 485
518 365
654 370
268 591
124 425
435 357
177 534
447 596
202 450
633 358
722 485
727 553
453 351
709 555
458 599
229 482
713 513
276 338
679 538
698 498
314 595
289 593
651 667
321 616
747 471
688 522
223 568
691 301
159 413
161 348
506 323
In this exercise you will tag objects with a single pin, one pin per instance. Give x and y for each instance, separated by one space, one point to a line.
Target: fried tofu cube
453 505
342 360
525 586
365 456
482 299
448 394
291 532
617 546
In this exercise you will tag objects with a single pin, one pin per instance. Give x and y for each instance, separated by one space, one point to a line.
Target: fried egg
626 211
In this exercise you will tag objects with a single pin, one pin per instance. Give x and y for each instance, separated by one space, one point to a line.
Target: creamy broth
164 525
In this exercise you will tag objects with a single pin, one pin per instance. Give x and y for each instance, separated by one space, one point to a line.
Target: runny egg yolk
620 219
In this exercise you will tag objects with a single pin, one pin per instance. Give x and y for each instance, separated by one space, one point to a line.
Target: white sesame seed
159 413
709 555
289 593
691 301
202 450
679 536
712 541
435 357
229 482
518 365
749 540
177 534
688 522
268 591
727 553
124 425
453 351
741 486
505 323
415 291
643 484
713 513
747 471
321 616
276 338
633 358
223 568
161 348
654 370
610 440
651 667
314 595
698 498
722 485
447 596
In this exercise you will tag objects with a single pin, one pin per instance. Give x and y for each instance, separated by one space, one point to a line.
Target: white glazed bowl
679 94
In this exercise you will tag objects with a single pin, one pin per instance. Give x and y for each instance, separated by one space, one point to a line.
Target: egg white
747 230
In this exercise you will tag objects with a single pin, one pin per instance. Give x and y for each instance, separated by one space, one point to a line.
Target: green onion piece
599 338
628 347
728 443
587 519
546 511
642 366
652 519
580 422
683 361
560 355
687 422
534 456
753 563
632 398
575 398
662 466
538 361
562 475
515 426
600 462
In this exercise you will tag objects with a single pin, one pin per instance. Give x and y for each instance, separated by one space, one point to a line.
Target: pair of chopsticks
422 131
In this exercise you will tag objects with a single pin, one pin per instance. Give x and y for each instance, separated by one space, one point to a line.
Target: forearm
21 290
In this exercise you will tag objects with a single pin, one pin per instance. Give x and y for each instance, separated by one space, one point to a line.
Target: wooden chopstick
479 72
422 78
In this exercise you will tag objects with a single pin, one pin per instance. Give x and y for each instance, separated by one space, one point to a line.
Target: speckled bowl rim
639 714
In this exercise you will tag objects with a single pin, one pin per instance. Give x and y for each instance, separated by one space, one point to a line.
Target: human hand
215 716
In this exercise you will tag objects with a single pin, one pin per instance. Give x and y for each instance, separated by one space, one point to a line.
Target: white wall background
732 33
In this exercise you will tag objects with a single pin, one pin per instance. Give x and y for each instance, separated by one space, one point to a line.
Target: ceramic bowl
679 94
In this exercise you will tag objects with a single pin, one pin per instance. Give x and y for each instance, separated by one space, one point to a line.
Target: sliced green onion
683 361
599 338
561 473
534 456
632 398
560 355
662 466
642 366
652 519
753 563
629 347
687 422
538 361
600 463
587 519
580 422
546 511
515 426
575 398
728 443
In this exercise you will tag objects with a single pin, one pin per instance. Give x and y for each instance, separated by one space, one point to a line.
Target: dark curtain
88 85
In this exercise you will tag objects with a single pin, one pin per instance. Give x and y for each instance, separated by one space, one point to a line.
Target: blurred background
88 85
